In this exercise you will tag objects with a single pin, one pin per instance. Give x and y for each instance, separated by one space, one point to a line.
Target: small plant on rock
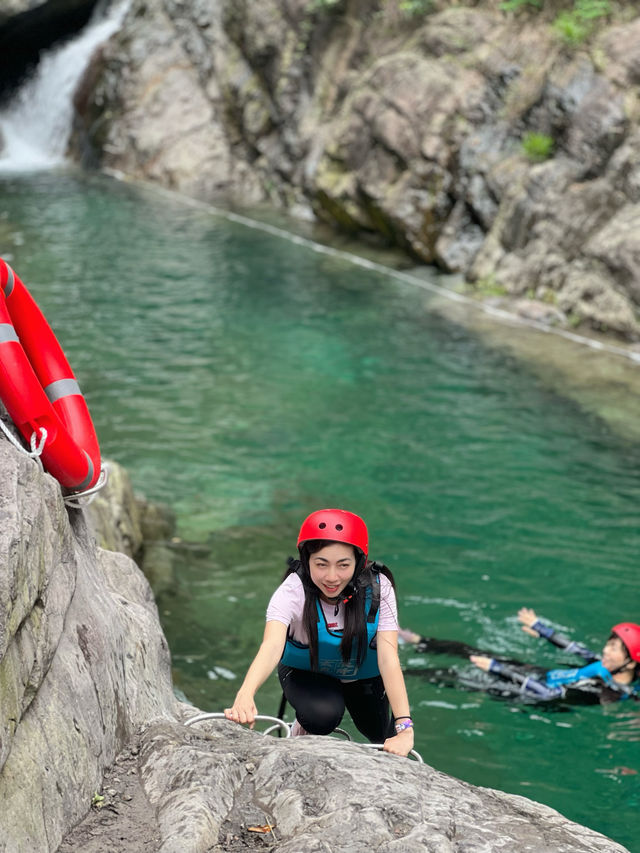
576 25
571 29
413 8
514 5
537 146
488 286
97 801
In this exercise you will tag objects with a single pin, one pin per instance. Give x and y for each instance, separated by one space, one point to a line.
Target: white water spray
36 125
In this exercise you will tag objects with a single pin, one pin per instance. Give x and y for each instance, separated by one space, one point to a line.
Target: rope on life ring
40 392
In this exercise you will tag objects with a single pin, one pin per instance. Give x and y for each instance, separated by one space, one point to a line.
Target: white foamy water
35 126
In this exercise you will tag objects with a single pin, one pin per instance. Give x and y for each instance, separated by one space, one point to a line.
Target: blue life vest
330 660
556 677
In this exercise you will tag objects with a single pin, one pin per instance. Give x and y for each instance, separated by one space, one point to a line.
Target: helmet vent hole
322 525
338 527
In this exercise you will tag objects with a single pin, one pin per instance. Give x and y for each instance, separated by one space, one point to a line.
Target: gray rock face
125 522
176 132
410 130
115 514
83 662
323 794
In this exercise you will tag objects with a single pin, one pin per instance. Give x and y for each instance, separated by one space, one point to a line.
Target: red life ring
38 388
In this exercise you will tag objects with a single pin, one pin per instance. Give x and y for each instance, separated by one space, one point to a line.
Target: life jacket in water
583 677
582 685
557 677
330 660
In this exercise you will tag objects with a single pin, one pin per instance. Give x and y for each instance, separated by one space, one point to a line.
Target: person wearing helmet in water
332 631
606 678
610 675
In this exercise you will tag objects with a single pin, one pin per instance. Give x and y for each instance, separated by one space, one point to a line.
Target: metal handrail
280 724
412 752
342 732
218 715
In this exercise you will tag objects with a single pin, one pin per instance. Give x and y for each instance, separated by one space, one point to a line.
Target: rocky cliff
88 717
83 662
416 130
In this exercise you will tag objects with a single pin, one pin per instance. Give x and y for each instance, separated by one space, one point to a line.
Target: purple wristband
405 724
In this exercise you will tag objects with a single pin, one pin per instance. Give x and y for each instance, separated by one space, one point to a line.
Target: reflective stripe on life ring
38 388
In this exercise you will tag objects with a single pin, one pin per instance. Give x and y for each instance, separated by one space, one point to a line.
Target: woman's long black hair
353 598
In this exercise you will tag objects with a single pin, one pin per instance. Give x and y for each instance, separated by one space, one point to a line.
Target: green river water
245 380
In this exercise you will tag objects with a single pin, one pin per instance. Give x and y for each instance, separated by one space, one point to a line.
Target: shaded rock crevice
27 28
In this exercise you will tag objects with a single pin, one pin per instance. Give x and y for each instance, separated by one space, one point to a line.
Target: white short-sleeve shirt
287 603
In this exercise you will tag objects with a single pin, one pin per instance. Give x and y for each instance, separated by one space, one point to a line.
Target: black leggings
320 700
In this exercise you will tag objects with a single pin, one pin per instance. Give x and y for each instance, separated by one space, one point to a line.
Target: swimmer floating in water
609 677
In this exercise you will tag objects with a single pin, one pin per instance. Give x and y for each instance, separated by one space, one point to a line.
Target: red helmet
629 633
336 525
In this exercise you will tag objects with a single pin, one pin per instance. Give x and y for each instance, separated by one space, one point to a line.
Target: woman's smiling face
332 568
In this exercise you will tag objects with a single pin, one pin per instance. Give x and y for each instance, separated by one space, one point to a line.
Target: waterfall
36 125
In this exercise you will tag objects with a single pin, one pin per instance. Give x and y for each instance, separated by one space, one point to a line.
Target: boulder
207 785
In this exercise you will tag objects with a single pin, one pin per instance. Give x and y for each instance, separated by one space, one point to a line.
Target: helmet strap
623 666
